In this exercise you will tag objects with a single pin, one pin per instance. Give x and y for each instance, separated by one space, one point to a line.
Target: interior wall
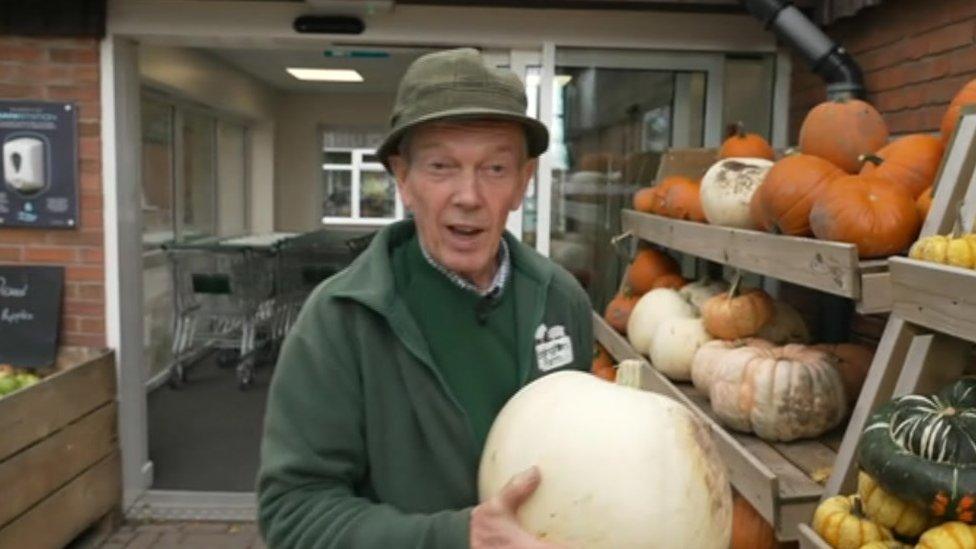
299 119
196 76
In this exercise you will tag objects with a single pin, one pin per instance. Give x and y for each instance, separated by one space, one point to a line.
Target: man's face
460 180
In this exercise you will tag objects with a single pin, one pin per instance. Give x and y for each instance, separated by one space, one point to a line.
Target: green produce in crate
922 448
8 384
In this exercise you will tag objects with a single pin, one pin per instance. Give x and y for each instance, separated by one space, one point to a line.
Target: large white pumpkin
727 188
651 309
674 345
699 291
621 468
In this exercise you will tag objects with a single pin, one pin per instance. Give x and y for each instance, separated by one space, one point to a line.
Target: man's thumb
519 488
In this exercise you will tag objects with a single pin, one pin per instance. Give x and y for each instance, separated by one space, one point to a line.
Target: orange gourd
644 199
853 362
841 131
874 214
965 96
618 311
661 190
924 203
682 200
647 266
782 203
673 281
909 161
749 529
736 315
740 144
603 364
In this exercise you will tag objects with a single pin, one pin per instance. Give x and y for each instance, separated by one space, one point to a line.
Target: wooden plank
938 297
691 163
875 292
809 539
832 267
953 179
29 476
32 414
877 389
792 514
66 513
933 361
813 457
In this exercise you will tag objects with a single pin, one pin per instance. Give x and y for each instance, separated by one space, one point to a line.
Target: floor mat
206 435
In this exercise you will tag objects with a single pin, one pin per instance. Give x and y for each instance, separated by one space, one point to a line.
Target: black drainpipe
825 57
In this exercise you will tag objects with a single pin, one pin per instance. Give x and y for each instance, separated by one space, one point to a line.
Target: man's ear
400 167
526 172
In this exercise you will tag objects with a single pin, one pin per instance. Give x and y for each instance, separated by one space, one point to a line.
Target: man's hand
493 522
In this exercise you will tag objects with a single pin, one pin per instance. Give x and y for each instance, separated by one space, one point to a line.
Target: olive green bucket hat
457 84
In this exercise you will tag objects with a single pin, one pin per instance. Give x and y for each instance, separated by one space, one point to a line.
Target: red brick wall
64 69
915 55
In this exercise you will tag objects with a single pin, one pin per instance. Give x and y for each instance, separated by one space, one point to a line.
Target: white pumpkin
786 326
780 394
620 467
709 356
699 291
674 345
727 188
651 309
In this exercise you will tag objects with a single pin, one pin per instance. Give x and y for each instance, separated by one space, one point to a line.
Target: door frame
268 24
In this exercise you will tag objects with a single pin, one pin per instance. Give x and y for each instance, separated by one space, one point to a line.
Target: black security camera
329 24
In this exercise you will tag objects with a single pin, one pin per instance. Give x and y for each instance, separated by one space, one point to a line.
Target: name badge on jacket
553 348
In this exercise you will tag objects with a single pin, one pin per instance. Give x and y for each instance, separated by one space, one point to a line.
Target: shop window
157 172
357 189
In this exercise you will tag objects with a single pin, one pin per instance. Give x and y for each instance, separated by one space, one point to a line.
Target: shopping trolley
224 297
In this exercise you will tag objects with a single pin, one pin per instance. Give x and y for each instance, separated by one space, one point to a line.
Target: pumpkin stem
957 224
740 129
734 289
872 158
950 411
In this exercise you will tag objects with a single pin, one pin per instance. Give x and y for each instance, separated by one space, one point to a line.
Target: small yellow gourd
840 523
949 535
958 251
886 544
904 518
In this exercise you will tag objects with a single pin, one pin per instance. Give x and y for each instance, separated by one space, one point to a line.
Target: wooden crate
60 465
781 480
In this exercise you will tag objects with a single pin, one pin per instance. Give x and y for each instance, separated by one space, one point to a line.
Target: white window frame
357 167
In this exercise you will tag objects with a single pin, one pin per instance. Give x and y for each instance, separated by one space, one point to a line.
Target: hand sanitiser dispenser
23 164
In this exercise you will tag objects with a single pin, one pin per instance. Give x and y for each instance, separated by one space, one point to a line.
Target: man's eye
497 169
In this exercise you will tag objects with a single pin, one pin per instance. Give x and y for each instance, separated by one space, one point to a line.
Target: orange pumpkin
874 214
782 203
603 364
647 266
644 199
909 161
965 96
841 131
682 200
749 529
924 203
853 362
729 316
673 281
618 311
661 190
740 144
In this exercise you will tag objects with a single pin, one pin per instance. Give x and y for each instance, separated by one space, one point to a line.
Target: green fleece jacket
364 445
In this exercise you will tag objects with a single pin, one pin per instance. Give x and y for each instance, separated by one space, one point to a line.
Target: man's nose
466 191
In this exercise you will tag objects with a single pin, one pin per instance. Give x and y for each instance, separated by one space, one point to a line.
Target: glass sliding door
612 116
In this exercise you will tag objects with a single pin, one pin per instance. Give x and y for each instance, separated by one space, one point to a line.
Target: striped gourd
923 449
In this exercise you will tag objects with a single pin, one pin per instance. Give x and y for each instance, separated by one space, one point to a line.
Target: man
397 366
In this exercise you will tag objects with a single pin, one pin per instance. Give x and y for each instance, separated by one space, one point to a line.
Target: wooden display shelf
832 267
939 297
778 479
59 458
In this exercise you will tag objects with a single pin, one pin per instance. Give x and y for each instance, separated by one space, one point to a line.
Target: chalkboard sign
39 164
30 309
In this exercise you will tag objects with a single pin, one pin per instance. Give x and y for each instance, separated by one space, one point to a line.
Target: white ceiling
380 75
